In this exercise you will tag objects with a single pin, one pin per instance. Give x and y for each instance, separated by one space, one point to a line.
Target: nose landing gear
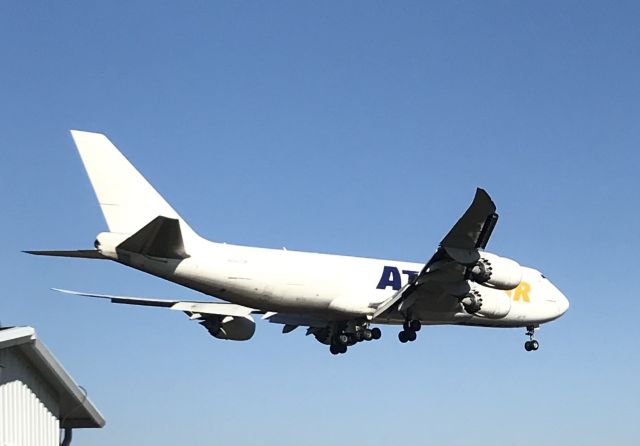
531 344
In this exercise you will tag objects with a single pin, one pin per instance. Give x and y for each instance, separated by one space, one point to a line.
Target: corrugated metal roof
76 411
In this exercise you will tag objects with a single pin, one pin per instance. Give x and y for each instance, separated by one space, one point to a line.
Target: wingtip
483 194
36 252
482 191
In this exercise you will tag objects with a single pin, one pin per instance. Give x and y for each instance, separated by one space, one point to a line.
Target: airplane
340 300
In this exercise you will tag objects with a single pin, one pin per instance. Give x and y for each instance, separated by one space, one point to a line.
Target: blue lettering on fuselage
391 277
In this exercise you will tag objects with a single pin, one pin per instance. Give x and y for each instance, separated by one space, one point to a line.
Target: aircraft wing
459 249
222 320
190 307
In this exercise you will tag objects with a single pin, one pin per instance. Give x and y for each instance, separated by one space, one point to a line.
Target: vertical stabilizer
127 200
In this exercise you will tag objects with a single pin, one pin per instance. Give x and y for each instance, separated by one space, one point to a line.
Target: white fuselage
336 297
330 287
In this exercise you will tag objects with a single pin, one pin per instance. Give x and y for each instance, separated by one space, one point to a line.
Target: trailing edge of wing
215 308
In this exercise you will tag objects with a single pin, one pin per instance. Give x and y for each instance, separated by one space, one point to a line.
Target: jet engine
496 272
488 303
233 328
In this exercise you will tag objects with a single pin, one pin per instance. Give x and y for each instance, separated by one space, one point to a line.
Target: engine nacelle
233 328
488 303
496 272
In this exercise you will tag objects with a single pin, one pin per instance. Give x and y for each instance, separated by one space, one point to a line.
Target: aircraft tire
376 333
402 336
411 335
527 346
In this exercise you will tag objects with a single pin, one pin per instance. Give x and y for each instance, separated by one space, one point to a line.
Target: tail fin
127 200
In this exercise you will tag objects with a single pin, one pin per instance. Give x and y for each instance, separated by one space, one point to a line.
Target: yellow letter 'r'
520 292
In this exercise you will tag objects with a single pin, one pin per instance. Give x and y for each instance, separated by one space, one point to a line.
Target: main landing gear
342 341
410 327
531 344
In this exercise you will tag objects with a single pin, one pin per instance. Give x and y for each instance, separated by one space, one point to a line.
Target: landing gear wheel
367 334
531 344
407 336
376 333
415 325
336 349
343 339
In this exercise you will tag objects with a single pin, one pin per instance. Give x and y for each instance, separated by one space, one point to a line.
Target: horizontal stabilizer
80 253
159 238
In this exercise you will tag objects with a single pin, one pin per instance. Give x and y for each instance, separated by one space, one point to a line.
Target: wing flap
217 308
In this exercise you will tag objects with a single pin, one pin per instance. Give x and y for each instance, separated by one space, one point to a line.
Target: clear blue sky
350 127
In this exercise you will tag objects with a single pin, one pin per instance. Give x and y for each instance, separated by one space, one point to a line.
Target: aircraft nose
560 300
563 303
